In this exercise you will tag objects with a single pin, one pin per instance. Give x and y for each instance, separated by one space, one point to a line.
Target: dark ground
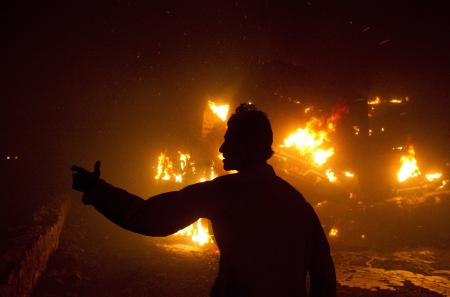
98 259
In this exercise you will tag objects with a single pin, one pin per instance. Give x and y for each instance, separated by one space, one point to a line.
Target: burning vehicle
349 198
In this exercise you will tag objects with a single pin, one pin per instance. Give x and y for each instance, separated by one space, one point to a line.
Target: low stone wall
26 257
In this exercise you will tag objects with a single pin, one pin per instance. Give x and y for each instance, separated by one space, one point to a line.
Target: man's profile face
232 152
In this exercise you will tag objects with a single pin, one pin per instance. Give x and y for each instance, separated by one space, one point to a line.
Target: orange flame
220 111
309 141
198 232
165 169
408 168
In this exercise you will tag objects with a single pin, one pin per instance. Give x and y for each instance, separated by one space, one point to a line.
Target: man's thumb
97 169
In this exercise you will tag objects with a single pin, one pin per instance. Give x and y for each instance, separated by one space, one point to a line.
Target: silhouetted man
269 237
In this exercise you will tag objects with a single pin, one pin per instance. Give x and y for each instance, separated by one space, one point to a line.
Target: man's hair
252 128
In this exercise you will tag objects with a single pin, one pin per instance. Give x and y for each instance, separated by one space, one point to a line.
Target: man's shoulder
290 188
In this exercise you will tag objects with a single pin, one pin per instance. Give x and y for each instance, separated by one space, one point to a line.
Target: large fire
408 168
311 141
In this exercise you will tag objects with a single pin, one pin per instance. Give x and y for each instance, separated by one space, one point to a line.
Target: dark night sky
117 80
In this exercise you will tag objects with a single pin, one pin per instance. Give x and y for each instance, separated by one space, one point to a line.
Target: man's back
266 235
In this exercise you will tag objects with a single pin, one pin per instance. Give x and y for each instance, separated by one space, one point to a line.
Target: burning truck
330 158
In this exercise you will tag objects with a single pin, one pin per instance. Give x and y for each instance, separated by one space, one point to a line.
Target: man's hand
83 180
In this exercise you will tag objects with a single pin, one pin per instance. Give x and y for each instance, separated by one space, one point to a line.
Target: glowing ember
333 232
330 175
308 109
408 167
375 101
378 100
198 232
219 110
349 174
433 176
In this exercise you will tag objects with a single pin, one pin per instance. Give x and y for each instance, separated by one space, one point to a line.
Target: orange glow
221 111
408 168
395 101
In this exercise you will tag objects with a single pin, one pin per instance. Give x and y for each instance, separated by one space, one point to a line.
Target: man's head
248 139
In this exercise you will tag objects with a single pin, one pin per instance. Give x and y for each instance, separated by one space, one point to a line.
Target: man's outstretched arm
160 215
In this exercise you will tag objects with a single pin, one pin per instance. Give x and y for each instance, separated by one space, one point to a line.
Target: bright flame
330 175
408 167
308 141
168 170
433 176
198 233
321 156
219 110
333 232
163 168
305 139
396 101
184 158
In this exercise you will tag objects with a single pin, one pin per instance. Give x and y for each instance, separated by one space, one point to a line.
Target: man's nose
221 148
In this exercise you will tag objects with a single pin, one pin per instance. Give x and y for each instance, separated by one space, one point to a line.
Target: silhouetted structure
269 237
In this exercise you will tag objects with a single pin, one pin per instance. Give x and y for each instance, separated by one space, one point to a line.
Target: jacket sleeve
161 215
321 268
